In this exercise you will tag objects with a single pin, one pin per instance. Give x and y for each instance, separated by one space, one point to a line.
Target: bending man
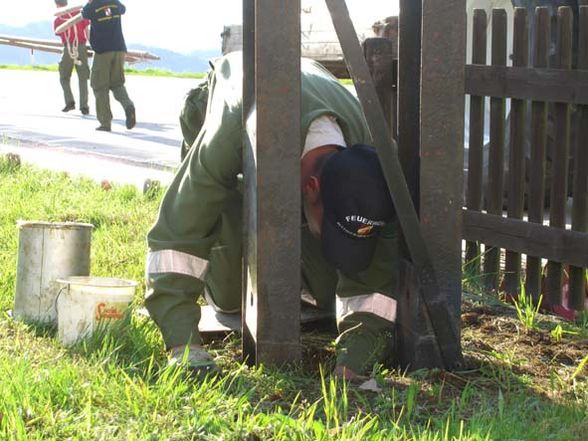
349 247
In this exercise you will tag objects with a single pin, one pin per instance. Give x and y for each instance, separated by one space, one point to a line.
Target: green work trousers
222 282
108 75
66 66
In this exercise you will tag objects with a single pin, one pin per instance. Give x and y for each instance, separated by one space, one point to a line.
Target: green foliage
527 311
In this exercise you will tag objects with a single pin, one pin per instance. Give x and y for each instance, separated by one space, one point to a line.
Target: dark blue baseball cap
356 206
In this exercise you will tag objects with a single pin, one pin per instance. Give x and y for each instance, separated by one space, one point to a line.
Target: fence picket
516 168
476 141
580 191
536 192
559 166
495 191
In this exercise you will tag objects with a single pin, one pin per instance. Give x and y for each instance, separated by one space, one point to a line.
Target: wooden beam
528 83
409 92
9 38
272 186
69 23
442 139
67 9
437 305
529 238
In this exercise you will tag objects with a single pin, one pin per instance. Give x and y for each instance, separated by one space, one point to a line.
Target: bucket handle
59 295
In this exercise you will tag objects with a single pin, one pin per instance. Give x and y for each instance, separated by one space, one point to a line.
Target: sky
184 25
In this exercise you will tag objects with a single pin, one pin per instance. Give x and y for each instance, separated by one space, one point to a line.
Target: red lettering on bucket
110 311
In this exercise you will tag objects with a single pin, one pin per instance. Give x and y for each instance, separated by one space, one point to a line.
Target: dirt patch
492 337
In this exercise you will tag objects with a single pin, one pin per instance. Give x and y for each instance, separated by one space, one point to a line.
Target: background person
108 43
75 53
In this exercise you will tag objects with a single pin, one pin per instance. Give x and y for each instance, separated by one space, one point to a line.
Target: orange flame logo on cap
365 230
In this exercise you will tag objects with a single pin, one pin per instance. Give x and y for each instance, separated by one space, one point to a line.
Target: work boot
85 110
103 129
196 360
69 106
131 119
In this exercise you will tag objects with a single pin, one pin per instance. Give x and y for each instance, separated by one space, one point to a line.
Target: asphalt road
32 124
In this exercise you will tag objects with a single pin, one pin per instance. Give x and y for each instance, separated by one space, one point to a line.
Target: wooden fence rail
509 211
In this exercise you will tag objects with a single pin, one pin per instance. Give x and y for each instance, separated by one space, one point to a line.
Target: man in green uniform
349 247
75 53
109 47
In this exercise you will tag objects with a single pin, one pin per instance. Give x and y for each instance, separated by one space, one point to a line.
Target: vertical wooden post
271 313
580 188
538 148
559 166
249 173
409 92
435 306
495 189
516 168
476 141
442 140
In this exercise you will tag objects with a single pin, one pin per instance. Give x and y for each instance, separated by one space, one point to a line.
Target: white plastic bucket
48 251
84 303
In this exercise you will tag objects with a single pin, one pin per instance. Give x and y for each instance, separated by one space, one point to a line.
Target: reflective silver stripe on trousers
171 261
376 303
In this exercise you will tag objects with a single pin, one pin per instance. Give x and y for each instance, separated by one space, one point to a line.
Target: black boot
85 110
69 106
131 119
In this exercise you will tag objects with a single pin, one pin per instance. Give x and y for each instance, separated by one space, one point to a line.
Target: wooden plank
554 85
55 43
516 168
555 244
34 47
67 10
495 191
272 298
476 141
538 149
409 92
69 23
559 166
580 185
413 322
249 173
436 301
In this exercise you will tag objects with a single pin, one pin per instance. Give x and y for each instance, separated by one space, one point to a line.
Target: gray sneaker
196 360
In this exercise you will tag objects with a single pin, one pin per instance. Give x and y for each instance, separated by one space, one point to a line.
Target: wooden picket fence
521 209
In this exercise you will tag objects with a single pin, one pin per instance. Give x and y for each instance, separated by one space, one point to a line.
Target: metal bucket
48 251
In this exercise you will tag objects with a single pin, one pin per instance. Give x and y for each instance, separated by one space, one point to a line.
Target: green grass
116 385
128 71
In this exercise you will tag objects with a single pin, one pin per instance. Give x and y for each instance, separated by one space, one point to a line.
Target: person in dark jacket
108 43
